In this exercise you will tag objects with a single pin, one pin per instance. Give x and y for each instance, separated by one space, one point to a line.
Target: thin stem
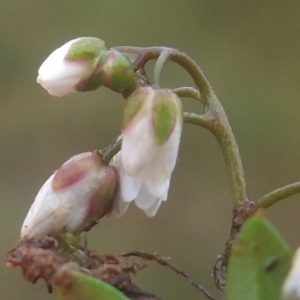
219 124
162 261
111 150
159 65
195 119
188 92
279 194
150 53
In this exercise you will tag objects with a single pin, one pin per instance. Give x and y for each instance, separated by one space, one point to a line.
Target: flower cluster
84 189
85 64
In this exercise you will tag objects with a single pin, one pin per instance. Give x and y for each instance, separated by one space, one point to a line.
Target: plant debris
44 258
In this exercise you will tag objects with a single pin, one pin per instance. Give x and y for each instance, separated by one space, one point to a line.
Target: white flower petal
119 209
158 187
163 163
151 211
164 197
138 145
46 212
130 186
145 199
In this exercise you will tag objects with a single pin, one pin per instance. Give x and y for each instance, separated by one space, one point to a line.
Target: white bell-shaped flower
291 286
134 188
74 198
151 137
72 67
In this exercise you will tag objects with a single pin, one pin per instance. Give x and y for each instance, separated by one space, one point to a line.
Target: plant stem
111 150
159 65
188 92
195 119
279 194
164 262
218 123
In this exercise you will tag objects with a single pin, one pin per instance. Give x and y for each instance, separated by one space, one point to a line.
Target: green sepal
89 84
79 286
259 262
134 103
165 113
86 48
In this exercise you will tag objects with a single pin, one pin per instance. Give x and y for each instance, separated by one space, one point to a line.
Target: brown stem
240 215
162 261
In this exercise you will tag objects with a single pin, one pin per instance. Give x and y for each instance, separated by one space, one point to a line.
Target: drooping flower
72 67
151 137
291 286
134 189
74 198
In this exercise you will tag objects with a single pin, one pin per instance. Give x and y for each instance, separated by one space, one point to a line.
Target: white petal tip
151 211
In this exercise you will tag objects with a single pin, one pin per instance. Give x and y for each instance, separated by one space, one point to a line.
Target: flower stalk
215 118
279 194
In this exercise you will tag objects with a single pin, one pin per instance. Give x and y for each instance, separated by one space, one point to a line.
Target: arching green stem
218 123
279 194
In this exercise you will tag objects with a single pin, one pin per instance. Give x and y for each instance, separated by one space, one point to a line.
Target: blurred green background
249 50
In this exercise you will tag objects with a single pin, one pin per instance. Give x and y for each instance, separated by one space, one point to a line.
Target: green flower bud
117 72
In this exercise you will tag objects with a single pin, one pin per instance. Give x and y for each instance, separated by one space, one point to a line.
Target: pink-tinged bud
117 72
72 67
74 198
150 141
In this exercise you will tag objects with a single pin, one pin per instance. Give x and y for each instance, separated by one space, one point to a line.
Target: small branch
279 194
195 119
188 92
162 261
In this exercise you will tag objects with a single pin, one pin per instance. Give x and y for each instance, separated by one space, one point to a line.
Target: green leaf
258 264
74 285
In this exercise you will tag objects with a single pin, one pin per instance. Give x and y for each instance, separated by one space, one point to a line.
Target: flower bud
150 141
72 67
117 72
74 198
291 286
